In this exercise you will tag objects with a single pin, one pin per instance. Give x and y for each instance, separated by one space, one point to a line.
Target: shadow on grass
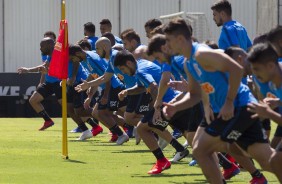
75 161
193 182
132 151
157 175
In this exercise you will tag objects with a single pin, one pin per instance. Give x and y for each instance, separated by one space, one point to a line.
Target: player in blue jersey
89 33
150 25
148 76
220 77
49 87
232 32
266 68
106 26
275 38
109 100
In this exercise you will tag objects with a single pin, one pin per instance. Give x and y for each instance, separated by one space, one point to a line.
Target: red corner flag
60 57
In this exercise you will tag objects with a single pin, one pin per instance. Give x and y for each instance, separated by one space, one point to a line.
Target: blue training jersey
233 33
148 72
92 40
48 78
128 81
118 40
177 69
82 73
216 83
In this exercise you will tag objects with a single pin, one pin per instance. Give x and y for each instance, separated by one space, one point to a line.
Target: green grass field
30 156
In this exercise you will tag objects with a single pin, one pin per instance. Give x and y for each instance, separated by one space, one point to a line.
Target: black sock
158 153
257 174
45 115
116 130
224 162
83 127
178 147
91 122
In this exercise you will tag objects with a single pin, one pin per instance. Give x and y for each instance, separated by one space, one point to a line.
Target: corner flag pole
64 97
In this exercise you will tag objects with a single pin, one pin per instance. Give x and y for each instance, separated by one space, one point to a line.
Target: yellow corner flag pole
64 97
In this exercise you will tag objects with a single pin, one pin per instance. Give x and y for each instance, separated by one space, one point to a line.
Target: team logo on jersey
120 77
270 95
197 69
207 87
95 75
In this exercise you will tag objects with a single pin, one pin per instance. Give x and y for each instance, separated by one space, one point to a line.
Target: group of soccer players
199 89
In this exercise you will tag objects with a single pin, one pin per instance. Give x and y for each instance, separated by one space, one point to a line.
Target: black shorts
278 132
241 129
143 105
266 124
48 89
113 102
74 97
132 101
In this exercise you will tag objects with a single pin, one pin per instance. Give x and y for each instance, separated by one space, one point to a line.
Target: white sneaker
137 136
179 155
87 134
122 139
162 143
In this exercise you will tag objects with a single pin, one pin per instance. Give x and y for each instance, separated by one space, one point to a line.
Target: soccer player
89 33
220 77
266 68
106 26
150 25
232 32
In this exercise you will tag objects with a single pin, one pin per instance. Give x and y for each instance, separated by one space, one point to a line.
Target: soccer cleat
122 139
186 144
176 133
114 138
229 173
87 134
162 143
76 130
193 162
179 156
161 165
46 125
257 180
129 131
96 130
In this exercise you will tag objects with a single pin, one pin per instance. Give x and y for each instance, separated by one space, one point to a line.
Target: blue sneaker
193 162
176 133
129 131
76 130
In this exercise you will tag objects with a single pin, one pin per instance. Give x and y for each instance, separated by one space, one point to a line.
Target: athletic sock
178 147
116 130
91 122
45 115
224 162
83 127
158 154
256 174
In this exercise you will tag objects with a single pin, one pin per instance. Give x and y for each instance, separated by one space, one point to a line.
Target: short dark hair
155 44
74 49
111 37
262 53
106 22
125 31
260 39
90 27
50 33
84 43
222 5
233 51
131 35
123 56
275 34
157 30
153 23
178 26
211 44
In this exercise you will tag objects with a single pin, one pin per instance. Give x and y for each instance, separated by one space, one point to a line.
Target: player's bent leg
35 101
276 163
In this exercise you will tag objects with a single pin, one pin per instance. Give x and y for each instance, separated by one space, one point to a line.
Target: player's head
76 53
150 25
260 39
105 26
84 44
158 49
264 61
47 46
157 30
126 62
275 38
50 34
240 56
103 46
111 37
131 40
89 29
211 44
177 33
222 11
